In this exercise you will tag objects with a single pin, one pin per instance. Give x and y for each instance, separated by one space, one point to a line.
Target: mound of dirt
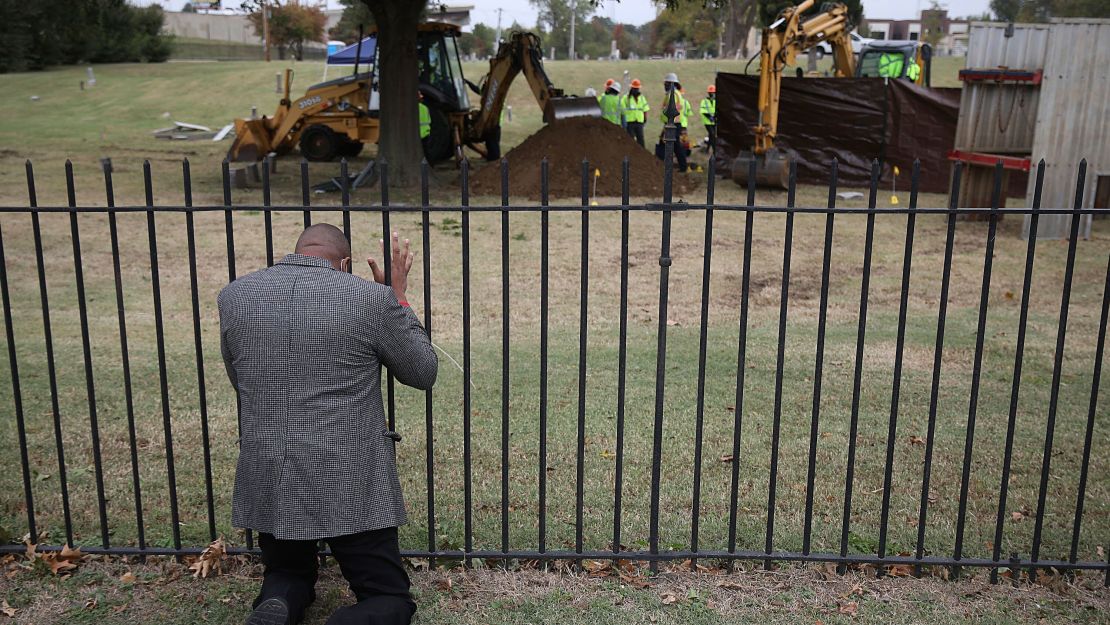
565 143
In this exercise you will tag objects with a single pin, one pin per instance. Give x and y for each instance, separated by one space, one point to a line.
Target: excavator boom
522 54
786 38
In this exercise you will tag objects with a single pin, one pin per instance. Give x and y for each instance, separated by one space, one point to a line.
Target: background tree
554 19
740 16
355 13
480 42
932 24
770 9
399 144
41 33
291 24
1044 10
698 26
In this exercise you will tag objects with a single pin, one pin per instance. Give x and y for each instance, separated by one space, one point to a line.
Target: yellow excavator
336 118
792 34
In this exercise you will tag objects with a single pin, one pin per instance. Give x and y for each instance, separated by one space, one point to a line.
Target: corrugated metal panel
1001 118
1073 119
988 45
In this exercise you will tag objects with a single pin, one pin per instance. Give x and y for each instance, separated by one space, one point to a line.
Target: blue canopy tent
347 55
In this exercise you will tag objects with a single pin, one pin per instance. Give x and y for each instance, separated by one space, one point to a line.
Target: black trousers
370 561
636 131
712 128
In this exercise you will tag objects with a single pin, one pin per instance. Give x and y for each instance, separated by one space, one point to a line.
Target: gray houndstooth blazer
304 345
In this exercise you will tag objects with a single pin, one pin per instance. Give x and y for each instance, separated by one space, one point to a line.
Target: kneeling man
304 342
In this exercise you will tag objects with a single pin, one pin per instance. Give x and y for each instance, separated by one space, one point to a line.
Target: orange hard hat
609 83
635 83
711 89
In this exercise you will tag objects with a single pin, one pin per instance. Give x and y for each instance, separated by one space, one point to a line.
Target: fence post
671 110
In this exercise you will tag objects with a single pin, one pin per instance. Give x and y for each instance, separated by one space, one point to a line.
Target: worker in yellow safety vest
671 85
708 109
635 107
610 103
425 117
890 64
913 72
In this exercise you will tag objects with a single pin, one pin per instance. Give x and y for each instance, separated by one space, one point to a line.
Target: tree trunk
741 16
399 143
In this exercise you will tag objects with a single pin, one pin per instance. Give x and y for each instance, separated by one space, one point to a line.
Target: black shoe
273 611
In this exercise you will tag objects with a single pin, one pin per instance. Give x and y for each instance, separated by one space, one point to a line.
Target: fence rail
922 552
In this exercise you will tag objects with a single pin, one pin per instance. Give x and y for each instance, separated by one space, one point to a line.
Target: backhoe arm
783 41
522 54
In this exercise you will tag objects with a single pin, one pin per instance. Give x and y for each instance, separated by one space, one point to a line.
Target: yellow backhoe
338 117
792 34
786 38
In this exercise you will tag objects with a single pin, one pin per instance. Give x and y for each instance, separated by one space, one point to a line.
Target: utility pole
497 40
266 30
573 15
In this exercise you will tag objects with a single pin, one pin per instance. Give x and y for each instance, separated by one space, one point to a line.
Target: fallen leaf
1016 515
932 496
916 440
605 453
597 568
91 604
1009 295
727 458
6 609
445 584
62 562
635 581
727 585
669 598
128 578
210 560
1100 552
850 608
730 408
672 322
900 570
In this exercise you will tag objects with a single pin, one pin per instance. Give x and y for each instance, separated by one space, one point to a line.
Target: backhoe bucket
772 169
251 141
571 106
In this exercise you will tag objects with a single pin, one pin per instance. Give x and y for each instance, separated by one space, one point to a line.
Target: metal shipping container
1000 118
1073 119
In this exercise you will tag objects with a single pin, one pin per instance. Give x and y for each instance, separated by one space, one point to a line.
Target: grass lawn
114 119
163 593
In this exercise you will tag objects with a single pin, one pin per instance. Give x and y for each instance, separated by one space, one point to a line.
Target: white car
858 42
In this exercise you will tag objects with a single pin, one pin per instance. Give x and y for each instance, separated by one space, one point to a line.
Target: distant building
953 41
457 14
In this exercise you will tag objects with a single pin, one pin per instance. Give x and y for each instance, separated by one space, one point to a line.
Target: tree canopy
1044 10
39 33
291 24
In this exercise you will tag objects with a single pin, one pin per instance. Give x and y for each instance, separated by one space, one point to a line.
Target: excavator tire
319 143
438 145
349 149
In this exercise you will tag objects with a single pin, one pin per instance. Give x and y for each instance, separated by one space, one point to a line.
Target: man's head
670 81
327 242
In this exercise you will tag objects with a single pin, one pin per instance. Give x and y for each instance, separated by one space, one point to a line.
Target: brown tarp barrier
852 119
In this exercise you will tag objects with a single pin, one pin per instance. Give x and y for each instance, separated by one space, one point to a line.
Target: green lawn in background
114 119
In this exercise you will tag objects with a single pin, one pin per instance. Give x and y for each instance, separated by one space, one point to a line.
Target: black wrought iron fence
768 354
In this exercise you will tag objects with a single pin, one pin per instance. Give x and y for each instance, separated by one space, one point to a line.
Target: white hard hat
591 91
671 77
616 86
